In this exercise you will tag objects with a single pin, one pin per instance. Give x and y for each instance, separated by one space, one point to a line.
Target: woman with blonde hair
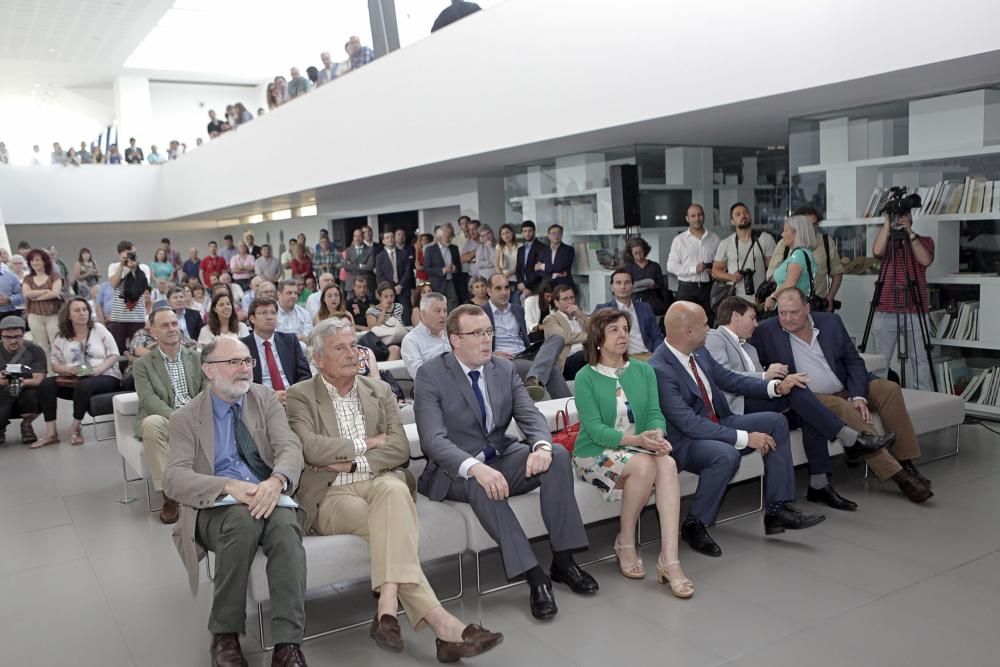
799 268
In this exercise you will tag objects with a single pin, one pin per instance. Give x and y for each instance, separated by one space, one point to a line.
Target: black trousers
699 293
81 394
12 408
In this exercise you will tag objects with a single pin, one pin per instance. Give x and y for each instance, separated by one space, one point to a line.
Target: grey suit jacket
724 350
363 266
314 420
448 417
189 477
154 388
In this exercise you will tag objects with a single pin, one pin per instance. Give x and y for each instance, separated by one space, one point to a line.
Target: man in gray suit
166 378
359 262
234 441
464 403
737 320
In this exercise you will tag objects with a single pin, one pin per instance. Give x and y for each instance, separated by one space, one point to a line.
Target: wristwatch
544 447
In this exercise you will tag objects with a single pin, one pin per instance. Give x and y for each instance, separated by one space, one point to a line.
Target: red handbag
566 436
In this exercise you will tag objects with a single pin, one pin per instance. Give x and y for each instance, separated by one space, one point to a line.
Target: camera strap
19 355
753 241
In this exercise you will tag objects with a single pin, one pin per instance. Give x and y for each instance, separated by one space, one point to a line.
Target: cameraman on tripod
897 308
18 387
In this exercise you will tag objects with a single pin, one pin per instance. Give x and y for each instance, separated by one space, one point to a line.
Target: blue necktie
489 453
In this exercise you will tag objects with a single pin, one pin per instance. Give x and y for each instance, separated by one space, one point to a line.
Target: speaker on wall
625 195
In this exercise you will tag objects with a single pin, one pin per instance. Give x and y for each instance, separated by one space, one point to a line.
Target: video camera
15 374
899 203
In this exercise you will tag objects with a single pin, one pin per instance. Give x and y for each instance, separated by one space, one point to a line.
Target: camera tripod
905 297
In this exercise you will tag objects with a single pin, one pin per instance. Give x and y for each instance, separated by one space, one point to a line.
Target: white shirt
687 251
265 372
742 437
351 421
420 346
295 321
636 345
312 303
809 359
733 252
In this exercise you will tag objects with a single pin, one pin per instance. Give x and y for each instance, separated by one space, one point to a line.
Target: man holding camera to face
130 303
22 369
742 258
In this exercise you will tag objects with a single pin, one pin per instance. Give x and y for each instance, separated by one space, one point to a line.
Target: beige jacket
189 477
314 420
557 323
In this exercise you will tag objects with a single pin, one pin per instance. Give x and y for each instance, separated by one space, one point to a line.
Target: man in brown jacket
232 459
355 483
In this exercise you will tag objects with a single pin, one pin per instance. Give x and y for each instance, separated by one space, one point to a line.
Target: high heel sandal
633 569
681 588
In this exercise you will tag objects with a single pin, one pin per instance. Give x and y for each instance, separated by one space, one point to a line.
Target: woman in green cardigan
621 448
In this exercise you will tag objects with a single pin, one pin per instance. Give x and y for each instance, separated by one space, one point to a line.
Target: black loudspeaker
625 195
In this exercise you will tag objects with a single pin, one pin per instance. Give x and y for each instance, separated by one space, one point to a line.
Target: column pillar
133 111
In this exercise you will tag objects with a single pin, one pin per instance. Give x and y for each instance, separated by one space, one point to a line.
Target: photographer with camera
741 260
131 303
903 299
22 368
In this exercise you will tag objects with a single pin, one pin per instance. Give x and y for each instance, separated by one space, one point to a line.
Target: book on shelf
961 324
973 195
984 388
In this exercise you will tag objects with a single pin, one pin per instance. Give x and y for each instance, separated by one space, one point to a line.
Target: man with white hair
428 339
329 71
298 85
11 298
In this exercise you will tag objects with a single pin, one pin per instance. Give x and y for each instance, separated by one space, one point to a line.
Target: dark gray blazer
448 417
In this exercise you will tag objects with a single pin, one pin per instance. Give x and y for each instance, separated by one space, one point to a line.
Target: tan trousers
886 399
156 444
382 511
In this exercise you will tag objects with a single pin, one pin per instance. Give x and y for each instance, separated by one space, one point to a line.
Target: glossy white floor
87 581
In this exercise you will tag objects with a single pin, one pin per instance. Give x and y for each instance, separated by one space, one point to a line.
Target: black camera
130 256
15 374
748 281
899 203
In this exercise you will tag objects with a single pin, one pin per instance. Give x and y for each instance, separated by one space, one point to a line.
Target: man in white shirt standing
292 318
690 259
742 258
428 339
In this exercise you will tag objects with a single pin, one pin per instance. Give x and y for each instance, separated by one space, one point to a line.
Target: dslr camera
899 203
15 375
748 281
130 256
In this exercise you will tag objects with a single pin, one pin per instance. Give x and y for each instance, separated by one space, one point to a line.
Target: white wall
180 110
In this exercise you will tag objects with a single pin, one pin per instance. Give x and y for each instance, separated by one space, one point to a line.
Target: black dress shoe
911 488
543 603
789 518
868 443
579 581
226 651
697 537
830 496
915 473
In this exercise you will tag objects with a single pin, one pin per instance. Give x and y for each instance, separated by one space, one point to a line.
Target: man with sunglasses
19 398
234 464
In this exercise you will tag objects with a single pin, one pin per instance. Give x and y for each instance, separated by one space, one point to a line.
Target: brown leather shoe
226 651
386 633
169 512
28 436
911 488
915 473
476 640
287 655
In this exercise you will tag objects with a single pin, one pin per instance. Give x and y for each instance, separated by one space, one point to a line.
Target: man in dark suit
555 261
644 334
443 265
818 344
279 360
708 439
188 319
395 266
359 262
539 369
728 345
527 279
464 403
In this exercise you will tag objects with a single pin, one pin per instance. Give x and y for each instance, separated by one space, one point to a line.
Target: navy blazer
524 269
290 356
522 327
434 266
563 262
194 322
680 398
404 268
651 334
773 346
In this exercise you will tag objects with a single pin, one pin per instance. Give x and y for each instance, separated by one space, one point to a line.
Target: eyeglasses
235 363
478 334
18 337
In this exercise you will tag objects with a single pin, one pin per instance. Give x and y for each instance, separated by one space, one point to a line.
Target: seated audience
385 319
840 380
279 361
737 320
85 361
568 322
538 305
234 440
621 449
42 290
426 340
164 382
536 366
292 318
644 336
359 303
356 483
189 320
479 292
418 294
24 404
250 294
313 301
331 304
471 458
709 440
221 321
